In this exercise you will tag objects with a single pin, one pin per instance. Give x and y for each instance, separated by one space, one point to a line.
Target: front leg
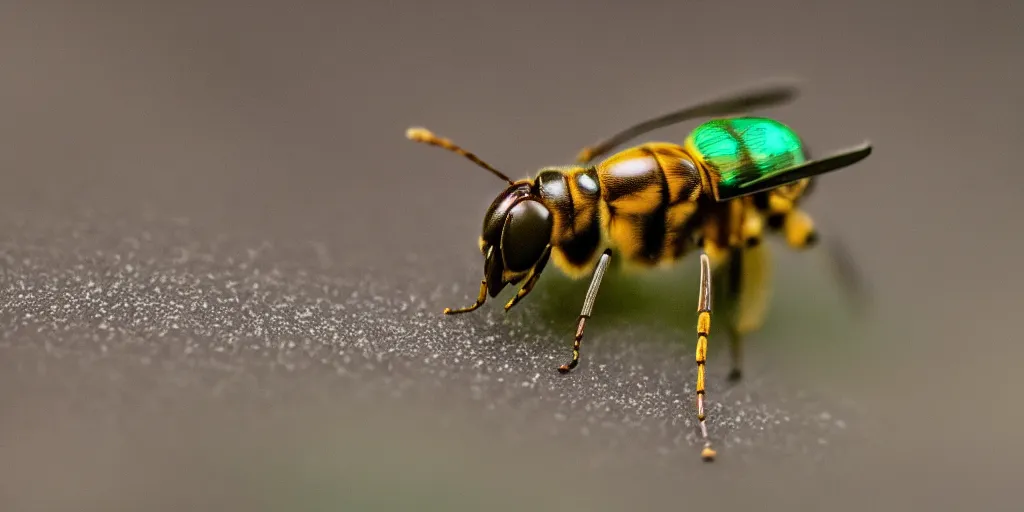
588 306
479 301
531 281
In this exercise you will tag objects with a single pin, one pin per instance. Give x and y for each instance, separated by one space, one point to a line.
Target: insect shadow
660 301
659 307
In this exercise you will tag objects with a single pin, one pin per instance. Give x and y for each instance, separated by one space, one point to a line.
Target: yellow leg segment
748 293
753 228
703 328
799 229
524 291
479 301
531 281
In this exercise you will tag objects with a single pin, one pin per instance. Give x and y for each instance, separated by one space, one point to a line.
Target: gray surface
224 266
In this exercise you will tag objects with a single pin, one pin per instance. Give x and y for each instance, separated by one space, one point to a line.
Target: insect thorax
642 202
573 195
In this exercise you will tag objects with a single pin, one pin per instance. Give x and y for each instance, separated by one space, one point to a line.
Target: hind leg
746 292
782 212
742 278
800 232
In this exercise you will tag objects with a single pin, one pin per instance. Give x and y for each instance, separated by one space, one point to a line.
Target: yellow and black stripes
780 208
703 331
573 197
649 203
730 181
734 223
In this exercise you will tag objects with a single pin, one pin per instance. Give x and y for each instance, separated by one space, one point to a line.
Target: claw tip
708 454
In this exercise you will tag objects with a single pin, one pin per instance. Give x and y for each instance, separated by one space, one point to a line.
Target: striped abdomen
649 202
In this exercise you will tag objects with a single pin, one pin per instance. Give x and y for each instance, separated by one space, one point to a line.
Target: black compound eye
526 234
497 213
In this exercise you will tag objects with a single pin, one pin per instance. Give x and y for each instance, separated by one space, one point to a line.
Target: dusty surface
224 266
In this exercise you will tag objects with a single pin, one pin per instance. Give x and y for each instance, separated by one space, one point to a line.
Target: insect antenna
427 137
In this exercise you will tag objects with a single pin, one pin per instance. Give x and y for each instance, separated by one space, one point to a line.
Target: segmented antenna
425 136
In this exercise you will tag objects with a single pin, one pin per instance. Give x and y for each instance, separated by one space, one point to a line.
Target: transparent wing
758 97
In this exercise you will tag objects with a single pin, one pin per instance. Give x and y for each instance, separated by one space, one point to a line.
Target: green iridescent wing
775 178
742 149
746 155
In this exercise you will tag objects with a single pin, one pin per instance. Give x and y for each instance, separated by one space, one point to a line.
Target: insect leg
752 228
747 293
479 301
851 280
531 281
588 306
736 350
801 233
798 227
703 330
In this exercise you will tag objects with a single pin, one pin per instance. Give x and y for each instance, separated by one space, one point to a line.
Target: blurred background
224 265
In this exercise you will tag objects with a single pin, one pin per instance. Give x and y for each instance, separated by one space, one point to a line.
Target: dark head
517 226
516 236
